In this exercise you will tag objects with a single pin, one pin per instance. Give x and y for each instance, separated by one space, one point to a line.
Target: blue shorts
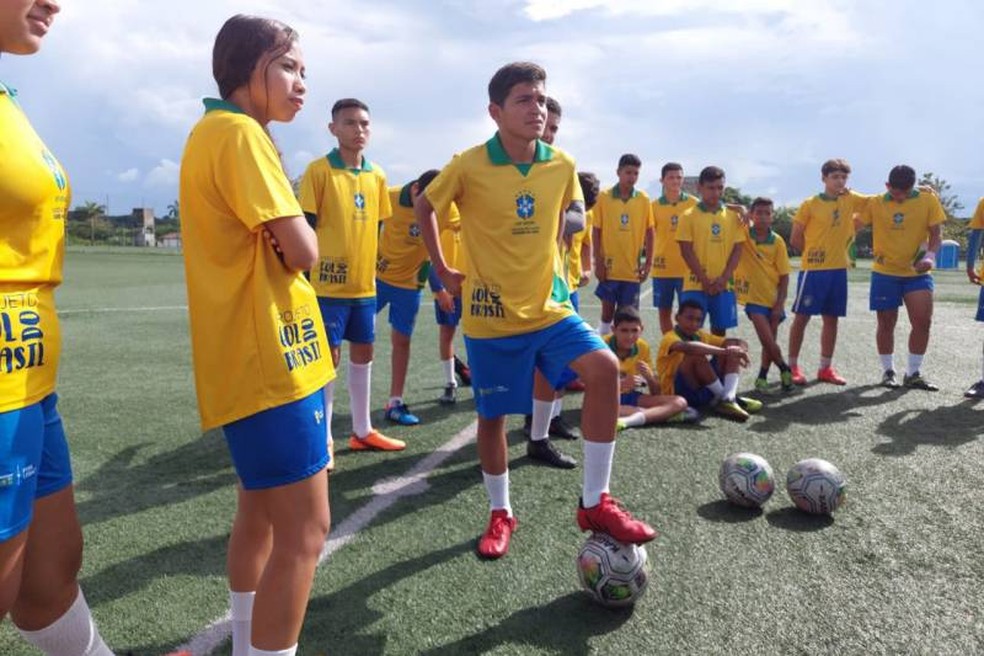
630 398
696 398
754 308
351 319
575 299
448 318
980 306
722 308
888 291
619 292
403 303
821 292
280 445
502 367
34 462
663 291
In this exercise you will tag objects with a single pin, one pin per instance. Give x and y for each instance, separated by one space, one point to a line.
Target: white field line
157 308
386 492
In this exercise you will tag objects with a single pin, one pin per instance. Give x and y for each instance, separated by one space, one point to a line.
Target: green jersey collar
769 238
498 156
217 104
335 159
708 210
406 200
684 336
616 194
7 91
912 194
827 197
663 200
613 345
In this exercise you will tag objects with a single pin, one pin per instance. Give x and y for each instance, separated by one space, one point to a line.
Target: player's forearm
690 257
797 239
424 212
973 247
598 249
935 239
733 259
783 290
648 248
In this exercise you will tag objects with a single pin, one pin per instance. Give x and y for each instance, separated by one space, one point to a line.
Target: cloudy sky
767 89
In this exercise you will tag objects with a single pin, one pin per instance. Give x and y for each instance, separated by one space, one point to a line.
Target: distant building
690 184
170 240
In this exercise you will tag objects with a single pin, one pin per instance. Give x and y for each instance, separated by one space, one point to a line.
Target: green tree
91 212
173 211
953 228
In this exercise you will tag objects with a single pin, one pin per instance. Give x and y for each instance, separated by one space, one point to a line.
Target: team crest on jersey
359 200
624 220
837 217
673 220
716 229
55 169
525 205
898 218
414 230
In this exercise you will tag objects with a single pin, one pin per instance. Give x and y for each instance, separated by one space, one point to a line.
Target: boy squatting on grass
703 367
638 408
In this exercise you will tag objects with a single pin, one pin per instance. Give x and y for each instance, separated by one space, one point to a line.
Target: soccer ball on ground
746 480
816 486
613 573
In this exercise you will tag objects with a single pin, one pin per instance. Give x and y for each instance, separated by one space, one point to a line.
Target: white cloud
129 175
165 175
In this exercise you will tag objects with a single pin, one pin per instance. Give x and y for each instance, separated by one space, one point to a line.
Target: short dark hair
240 45
629 159
834 165
761 201
627 313
347 103
425 179
553 106
509 76
669 166
902 177
590 187
710 174
692 304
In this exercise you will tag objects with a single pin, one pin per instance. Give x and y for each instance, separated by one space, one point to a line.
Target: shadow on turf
832 407
948 426
727 513
794 519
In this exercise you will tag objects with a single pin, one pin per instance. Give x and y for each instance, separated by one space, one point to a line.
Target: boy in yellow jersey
902 222
823 231
552 126
710 237
761 282
402 268
635 367
516 195
703 367
579 251
345 198
40 536
976 391
669 268
622 239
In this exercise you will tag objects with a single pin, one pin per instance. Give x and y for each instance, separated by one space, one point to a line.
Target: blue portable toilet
949 256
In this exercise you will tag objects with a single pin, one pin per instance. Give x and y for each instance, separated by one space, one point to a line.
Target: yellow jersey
34 201
977 223
257 337
510 213
899 230
402 260
761 265
628 365
828 229
667 260
714 234
668 362
349 204
574 262
623 224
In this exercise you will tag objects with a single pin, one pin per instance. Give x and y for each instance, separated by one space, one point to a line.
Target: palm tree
173 211
91 211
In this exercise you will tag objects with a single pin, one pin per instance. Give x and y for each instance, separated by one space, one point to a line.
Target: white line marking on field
386 492
158 308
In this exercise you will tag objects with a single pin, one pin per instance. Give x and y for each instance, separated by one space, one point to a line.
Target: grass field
897 571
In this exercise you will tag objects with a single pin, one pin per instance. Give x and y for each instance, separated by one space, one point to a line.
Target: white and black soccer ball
816 486
613 573
746 480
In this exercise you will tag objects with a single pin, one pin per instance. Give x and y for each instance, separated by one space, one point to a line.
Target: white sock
73 633
497 487
597 470
887 361
825 362
290 651
359 376
634 420
329 409
717 389
793 361
241 610
915 361
730 386
448 367
604 327
540 426
558 406
394 400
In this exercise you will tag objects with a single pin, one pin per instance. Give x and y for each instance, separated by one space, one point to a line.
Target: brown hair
761 201
509 76
833 165
241 43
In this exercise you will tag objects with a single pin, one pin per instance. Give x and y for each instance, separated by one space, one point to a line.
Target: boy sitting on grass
637 408
702 367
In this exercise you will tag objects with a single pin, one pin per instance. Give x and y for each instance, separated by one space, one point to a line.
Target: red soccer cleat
829 375
610 517
494 543
798 377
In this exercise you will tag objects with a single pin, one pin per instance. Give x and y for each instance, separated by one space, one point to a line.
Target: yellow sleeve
589 223
867 216
685 230
977 223
573 191
311 186
446 187
742 228
936 213
859 202
782 257
385 204
449 219
712 339
650 217
251 178
802 215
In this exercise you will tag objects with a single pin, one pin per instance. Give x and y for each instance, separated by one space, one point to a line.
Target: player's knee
601 369
307 538
679 404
